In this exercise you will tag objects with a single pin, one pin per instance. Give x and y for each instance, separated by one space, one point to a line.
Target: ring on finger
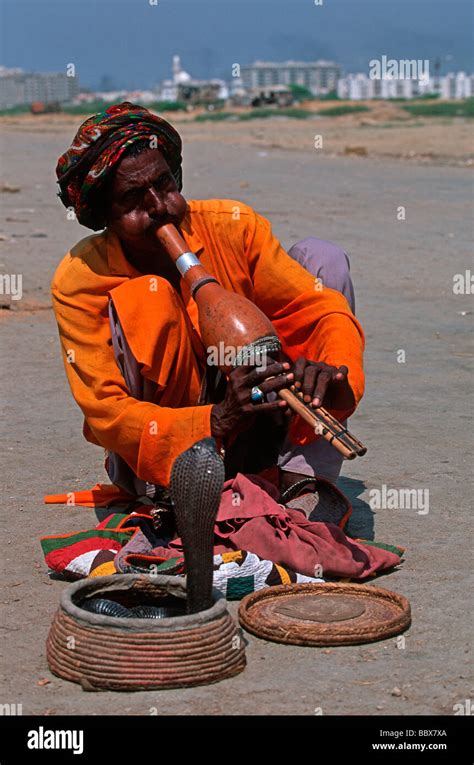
256 395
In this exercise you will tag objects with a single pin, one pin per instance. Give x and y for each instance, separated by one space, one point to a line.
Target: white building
18 87
183 85
459 85
320 77
358 87
169 88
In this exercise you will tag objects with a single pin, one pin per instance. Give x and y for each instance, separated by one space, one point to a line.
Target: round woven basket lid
324 614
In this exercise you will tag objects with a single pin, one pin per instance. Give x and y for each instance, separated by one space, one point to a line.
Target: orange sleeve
147 436
311 320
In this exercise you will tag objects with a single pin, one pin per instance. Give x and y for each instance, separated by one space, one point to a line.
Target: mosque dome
182 77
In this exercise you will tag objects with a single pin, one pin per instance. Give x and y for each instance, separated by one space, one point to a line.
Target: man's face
143 196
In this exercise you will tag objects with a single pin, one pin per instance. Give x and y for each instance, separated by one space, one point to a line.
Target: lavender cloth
330 264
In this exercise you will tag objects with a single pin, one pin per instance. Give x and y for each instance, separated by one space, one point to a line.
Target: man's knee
318 255
327 261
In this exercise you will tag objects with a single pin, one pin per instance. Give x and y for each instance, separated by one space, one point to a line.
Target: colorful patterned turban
98 146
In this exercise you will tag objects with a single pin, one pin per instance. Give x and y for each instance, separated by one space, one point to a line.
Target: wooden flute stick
311 418
327 419
324 424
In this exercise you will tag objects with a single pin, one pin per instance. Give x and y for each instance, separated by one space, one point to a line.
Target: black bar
150 738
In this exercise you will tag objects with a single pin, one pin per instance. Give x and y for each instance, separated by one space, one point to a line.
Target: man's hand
236 412
321 383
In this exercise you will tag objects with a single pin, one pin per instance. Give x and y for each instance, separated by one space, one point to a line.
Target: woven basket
121 654
324 614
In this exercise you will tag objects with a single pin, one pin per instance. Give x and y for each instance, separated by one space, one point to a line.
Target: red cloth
251 519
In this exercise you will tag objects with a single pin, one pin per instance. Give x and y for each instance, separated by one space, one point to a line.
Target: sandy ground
414 417
386 131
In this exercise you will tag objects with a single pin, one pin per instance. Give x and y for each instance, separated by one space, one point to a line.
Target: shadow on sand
361 522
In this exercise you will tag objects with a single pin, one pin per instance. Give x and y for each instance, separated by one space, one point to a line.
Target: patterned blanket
125 543
119 544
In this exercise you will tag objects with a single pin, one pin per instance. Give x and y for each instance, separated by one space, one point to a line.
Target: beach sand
413 418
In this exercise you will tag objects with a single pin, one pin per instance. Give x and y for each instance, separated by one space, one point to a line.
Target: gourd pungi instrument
226 316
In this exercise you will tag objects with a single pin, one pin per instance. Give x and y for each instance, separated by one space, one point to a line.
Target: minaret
176 68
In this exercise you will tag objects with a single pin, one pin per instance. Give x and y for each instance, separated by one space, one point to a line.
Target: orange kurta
237 246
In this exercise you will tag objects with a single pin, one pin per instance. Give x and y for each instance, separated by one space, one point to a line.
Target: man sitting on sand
129 329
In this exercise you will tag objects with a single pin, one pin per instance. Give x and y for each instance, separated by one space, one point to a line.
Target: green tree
301 93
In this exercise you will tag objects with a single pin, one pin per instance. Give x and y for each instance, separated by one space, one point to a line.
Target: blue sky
132 41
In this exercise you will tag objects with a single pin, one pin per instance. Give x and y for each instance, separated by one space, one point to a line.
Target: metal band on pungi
201 282
186 261
258 349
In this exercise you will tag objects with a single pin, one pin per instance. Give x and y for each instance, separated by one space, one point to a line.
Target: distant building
184 87
18 87
359 87
355 87
320 77
135 96
107 96
459 85
115 96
